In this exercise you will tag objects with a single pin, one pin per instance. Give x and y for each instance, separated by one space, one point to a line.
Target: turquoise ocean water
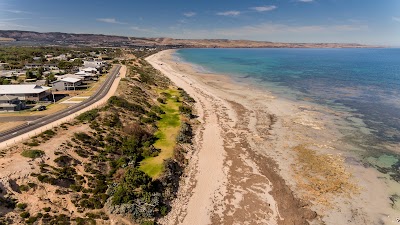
363 82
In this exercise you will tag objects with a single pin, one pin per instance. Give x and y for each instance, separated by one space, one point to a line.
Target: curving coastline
261 159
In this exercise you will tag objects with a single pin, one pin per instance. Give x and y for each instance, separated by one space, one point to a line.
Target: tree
29 74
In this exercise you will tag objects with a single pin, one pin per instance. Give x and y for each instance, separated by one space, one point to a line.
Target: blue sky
352 21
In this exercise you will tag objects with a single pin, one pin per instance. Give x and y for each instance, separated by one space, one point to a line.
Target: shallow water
364 83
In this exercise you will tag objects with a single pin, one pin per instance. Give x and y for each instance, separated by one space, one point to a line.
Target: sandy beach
259 159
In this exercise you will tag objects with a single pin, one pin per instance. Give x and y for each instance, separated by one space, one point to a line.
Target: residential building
61 57
89 70
33 65
67 84
11 103
27 92
3 65
59 77
86 76
94 63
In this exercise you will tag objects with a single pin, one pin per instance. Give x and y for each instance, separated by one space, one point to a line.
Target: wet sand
259 159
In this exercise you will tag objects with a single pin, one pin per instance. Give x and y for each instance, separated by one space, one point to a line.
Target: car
41 108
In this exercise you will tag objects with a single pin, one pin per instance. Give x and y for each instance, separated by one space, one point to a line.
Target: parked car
41 108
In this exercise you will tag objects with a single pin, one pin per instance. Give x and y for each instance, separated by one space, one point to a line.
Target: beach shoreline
266 139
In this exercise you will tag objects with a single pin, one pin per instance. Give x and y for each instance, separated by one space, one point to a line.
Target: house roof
83 73
7 105
70 76
70 80
89 69
8 97
22 89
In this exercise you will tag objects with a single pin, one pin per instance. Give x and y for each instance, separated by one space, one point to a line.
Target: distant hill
100 40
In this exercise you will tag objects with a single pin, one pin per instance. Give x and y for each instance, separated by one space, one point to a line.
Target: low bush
185 133
161 100
22 205
32 153
123 103
88 116
25 215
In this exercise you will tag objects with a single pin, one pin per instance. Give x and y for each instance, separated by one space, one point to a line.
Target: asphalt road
27 127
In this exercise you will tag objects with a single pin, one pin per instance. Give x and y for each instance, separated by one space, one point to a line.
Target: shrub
157 109
32 185
25 215
185 133
88 116
165 94
32 153
32 144
161 100
24 188
82 136
123 103
22 205
163 210
185 109
49 133
133 180
47 209
31 220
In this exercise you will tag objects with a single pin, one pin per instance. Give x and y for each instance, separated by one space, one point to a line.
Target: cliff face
111 40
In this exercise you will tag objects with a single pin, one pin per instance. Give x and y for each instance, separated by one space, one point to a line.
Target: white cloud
264 8
229 13
109 20
189 14
397 19
144 30
307 1
16 11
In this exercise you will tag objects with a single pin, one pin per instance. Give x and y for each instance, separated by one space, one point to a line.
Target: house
86 76
89 70
27 92
33 66
50 67
94 63
61 57
37 58
11 103
3 65
59 77
66 84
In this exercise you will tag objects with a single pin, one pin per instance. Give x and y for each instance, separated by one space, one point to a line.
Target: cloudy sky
352 21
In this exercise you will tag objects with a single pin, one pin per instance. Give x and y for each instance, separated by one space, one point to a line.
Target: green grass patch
168 129
32 153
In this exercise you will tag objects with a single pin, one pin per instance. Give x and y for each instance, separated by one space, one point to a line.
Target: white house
67 83
61 57
31 92
85 75
89 70
59 77
94 63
